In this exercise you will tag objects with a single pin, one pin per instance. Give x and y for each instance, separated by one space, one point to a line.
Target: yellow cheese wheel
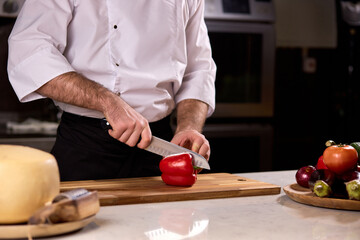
29 178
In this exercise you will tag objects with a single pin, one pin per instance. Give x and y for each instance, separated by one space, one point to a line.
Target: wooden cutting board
153 189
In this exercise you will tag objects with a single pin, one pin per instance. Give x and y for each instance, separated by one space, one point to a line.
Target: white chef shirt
153 53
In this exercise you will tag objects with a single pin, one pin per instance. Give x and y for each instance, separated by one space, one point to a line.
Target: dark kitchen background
311 108
315 95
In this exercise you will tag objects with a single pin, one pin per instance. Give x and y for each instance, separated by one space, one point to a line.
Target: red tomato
320 164
340 158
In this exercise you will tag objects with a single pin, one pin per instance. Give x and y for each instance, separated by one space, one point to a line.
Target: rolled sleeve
200 86
35 71
36 46
199 78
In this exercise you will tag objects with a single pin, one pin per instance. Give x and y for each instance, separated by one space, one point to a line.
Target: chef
131 62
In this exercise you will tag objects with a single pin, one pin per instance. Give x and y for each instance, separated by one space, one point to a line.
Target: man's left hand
193 140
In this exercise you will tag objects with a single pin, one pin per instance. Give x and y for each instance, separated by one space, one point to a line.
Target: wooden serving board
16 231
153 189
304 195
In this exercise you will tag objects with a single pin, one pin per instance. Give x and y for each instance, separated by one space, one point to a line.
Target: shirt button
117 64
115 26
118 94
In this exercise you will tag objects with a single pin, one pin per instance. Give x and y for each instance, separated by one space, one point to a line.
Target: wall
313 108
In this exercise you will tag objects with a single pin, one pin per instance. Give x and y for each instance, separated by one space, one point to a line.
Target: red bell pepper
320 164
178 170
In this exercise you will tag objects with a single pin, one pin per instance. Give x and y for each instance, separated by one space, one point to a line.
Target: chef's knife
165 148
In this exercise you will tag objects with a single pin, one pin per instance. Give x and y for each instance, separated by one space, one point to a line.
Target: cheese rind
29 179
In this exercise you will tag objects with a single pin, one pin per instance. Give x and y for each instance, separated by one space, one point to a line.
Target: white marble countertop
258 217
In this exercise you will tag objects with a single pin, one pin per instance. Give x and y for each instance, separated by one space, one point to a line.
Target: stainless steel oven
242 36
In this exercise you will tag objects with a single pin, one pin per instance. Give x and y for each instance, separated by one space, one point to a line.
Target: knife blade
164 148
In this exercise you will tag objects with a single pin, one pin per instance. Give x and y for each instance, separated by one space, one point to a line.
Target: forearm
75 89
127 124
191 115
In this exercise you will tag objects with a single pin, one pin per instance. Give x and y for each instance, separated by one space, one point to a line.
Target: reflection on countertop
179 223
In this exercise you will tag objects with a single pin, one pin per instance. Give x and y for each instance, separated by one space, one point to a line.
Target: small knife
68 206
165 148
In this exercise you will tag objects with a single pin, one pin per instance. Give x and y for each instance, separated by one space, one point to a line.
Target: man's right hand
128 126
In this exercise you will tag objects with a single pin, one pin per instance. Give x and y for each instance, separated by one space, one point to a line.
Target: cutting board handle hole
241 180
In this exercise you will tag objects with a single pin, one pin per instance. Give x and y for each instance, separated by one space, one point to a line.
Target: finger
116 133
126 136
203 149
117 129
133 139
198 143
146 136
195 147
134 136
175 140
183 142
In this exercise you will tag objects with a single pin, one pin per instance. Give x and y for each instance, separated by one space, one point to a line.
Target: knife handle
105 124
68 207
